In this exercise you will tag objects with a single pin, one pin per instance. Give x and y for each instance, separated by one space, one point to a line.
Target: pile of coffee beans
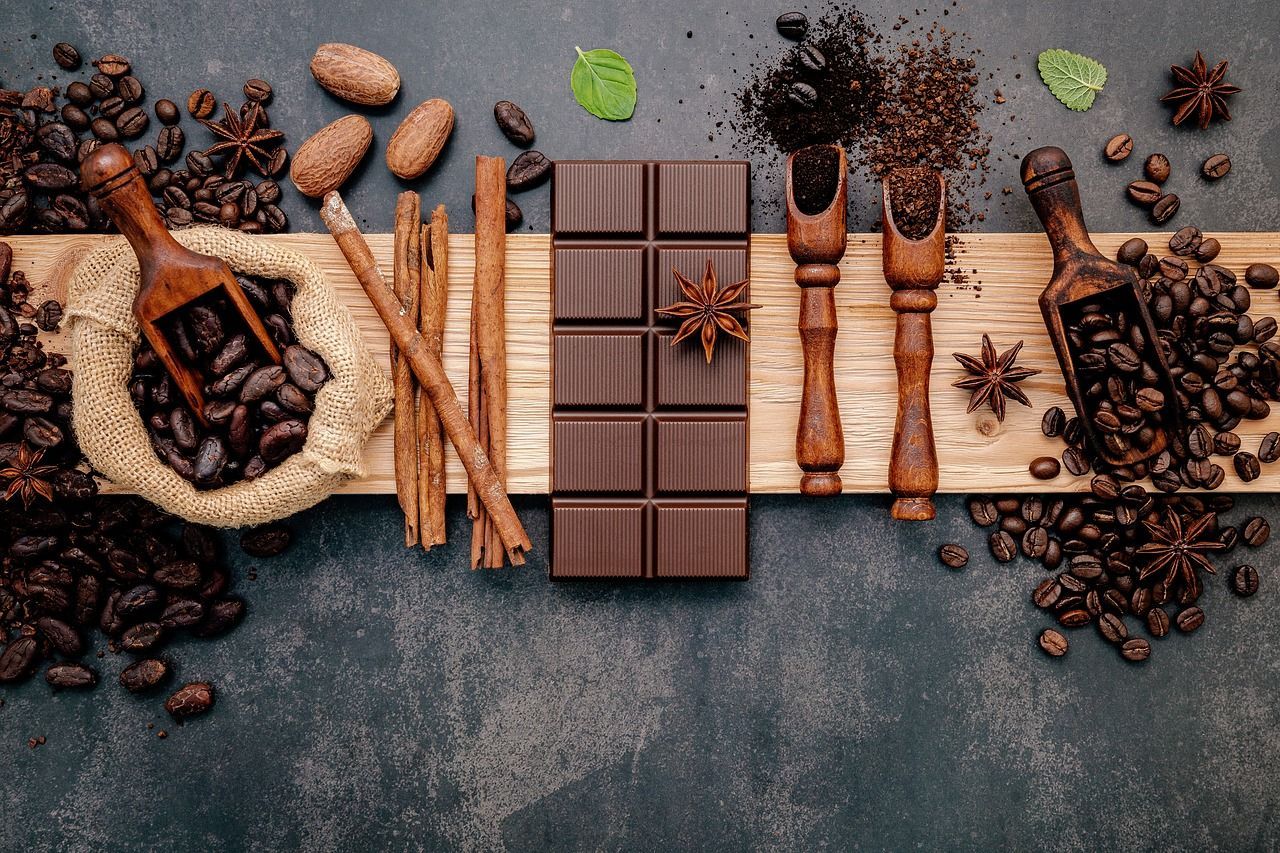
255 411
1092 543
45 134
76 562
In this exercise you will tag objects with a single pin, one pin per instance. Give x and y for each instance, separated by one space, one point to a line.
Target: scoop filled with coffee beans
257 411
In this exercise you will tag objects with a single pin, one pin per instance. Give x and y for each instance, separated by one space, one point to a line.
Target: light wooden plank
1005 274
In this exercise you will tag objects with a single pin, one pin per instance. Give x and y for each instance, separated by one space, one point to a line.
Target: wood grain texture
1000 278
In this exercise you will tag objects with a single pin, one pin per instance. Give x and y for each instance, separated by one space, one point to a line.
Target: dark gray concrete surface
853 694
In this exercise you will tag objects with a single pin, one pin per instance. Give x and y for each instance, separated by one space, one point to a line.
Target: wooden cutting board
992 286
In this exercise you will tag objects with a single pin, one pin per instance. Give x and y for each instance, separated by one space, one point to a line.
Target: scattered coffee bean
1118 147
1044 468
1053 643
1165 208
803 95
1185 242
1269 448
257 90
1217 166
1136 650
1189 619
1156 168
167 112
984 513
1256 531
201 103
1244 580
792 25
1158 622
953 556
1247 467
1132 251
1003 548
1208 250
1145 193
1261 276
66 56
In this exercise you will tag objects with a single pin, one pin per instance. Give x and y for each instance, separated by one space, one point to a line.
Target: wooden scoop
817 243
1080 274
913 268
172 275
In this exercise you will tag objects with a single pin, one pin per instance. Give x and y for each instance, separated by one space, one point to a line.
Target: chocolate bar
649 442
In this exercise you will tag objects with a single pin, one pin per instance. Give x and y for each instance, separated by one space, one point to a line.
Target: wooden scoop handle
820 437
111 177
913 462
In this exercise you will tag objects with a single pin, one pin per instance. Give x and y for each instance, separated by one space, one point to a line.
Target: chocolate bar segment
649 441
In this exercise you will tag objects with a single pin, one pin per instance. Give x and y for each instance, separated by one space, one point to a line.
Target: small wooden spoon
913 268
817 243
173 276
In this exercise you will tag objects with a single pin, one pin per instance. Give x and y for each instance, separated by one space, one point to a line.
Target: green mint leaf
1073 79
604 84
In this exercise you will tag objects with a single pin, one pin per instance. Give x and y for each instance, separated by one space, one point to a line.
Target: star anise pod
27 477
242 138
993 377
1201 92
708 308
1177 552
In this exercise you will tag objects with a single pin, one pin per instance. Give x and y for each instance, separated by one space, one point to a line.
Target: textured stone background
853 694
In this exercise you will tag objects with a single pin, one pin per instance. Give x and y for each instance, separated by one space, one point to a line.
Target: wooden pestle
172 276
913 268
1080 273
817 242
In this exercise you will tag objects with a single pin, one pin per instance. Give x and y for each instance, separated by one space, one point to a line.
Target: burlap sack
104 336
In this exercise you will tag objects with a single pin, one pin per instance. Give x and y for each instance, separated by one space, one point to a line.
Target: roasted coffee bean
1014 525
1208 249
132 122
1112 628
257 90
200 164
1135 650
1118 147
953 556
70 676
169 143
792 25
51 176
803 96
1269 447
1262 276
1157 168
1165 208
1244 580
1158 622
1074 460
1035 542
58 141
66 56
1053 643
1185 242
167 112
105 130
201 103
1074 618
146 160
1216 166
1247 467
514 123
79 94
190 699
1256 531
1132 251
1053 421
1226 444
1044 468
75 118
528 170
1189 619
811 60
1046 593
101 86
129 89
113 65
984 513
144 675
1144 193
142 637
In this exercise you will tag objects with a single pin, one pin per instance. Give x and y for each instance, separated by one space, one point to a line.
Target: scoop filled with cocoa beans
255 413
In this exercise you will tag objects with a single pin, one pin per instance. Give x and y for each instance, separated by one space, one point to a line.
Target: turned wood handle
1050 183
110 175
820 437
913 462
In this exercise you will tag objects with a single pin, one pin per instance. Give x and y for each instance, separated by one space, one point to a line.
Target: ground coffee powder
815 177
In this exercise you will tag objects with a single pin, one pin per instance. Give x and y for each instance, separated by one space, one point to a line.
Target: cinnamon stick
430 372
489 313
405 283
433 301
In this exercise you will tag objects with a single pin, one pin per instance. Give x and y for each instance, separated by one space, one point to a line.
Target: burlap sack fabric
104 336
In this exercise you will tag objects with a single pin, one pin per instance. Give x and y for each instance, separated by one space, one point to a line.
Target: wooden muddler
430 372
913 268
817 243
